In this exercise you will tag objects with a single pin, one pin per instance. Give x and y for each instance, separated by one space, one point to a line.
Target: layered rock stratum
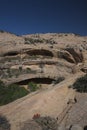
44 58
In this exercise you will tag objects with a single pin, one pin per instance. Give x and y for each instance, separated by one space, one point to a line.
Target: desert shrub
28 70
20 68
32 40
50 41
38 40
4 123
11 93
60 35
81 84
32 86
2 31
47 123
33 57
66 35
1 84
41 123
9 73
16 72
51 46
58 80
76 34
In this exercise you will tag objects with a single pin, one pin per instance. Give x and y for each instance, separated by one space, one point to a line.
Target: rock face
84 69
76 127
61 128
76 53
71 55
67 56
42 57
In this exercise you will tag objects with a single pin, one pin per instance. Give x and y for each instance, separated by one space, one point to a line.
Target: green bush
32 86
11 93
81 84
32 40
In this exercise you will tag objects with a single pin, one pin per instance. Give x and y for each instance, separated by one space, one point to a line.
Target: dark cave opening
40 52
37 81
11 54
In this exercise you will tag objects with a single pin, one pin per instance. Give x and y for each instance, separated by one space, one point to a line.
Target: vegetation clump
2 31
58 80
32 41
81 84
32 86
47 123
4 123
11 93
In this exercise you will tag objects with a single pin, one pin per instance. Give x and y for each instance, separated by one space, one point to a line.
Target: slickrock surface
47 57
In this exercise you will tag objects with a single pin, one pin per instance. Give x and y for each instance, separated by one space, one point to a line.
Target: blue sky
43 16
